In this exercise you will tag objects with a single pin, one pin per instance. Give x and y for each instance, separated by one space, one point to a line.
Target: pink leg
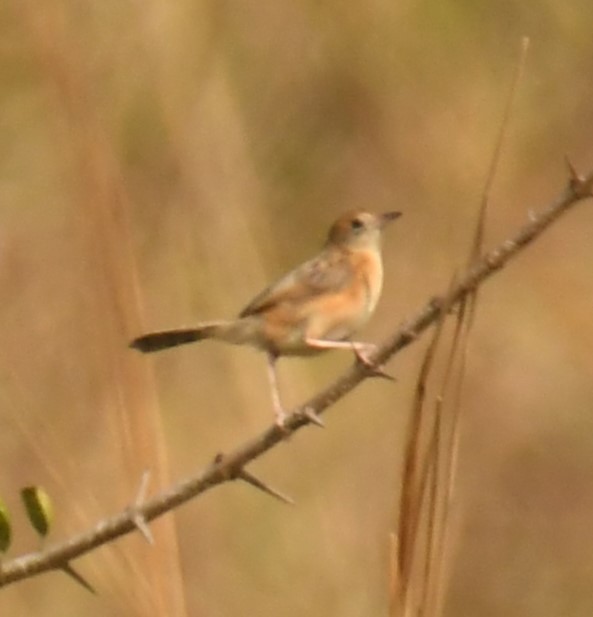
361 351
276 403
279 412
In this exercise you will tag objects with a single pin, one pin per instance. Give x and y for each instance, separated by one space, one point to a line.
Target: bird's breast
334 314
369 268
339 314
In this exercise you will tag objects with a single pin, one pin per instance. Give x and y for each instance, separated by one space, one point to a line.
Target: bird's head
359 229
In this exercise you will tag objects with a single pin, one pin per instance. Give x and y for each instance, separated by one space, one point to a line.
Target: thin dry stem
495 161
417 459
444 473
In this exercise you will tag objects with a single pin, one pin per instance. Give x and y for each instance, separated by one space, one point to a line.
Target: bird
316 307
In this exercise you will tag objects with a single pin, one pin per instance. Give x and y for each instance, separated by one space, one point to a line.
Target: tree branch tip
262 486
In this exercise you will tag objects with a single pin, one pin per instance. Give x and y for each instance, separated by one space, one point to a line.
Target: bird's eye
356 224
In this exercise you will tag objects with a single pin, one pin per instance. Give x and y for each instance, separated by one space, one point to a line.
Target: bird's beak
387 217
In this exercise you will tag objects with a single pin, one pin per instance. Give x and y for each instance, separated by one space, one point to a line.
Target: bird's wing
328 272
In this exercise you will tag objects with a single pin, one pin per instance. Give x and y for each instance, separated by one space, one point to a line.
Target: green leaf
39 508
5 528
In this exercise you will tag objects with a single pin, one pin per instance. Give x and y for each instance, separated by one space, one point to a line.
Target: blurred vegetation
160 162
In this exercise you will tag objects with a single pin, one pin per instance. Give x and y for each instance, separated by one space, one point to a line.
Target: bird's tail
157 341
239 331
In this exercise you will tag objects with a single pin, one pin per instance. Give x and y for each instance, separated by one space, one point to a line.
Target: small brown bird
315 307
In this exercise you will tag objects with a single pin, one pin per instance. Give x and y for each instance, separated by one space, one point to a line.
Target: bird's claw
362 352
280 420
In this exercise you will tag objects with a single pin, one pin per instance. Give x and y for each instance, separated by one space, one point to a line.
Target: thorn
143 488
138 518
572 172
140 522
71 572
253 481
377 371
312 416
579 184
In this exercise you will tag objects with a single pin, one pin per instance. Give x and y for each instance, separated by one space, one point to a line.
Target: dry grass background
160 162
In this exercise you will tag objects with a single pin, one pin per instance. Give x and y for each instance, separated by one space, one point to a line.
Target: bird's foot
280 419
362 351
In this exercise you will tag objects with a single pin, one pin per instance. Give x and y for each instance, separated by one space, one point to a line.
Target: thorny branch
231 466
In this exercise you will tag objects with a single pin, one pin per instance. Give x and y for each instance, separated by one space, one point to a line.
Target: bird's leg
361 351
276 403
279 411
356 346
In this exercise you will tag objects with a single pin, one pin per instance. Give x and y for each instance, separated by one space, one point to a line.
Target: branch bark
230 466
